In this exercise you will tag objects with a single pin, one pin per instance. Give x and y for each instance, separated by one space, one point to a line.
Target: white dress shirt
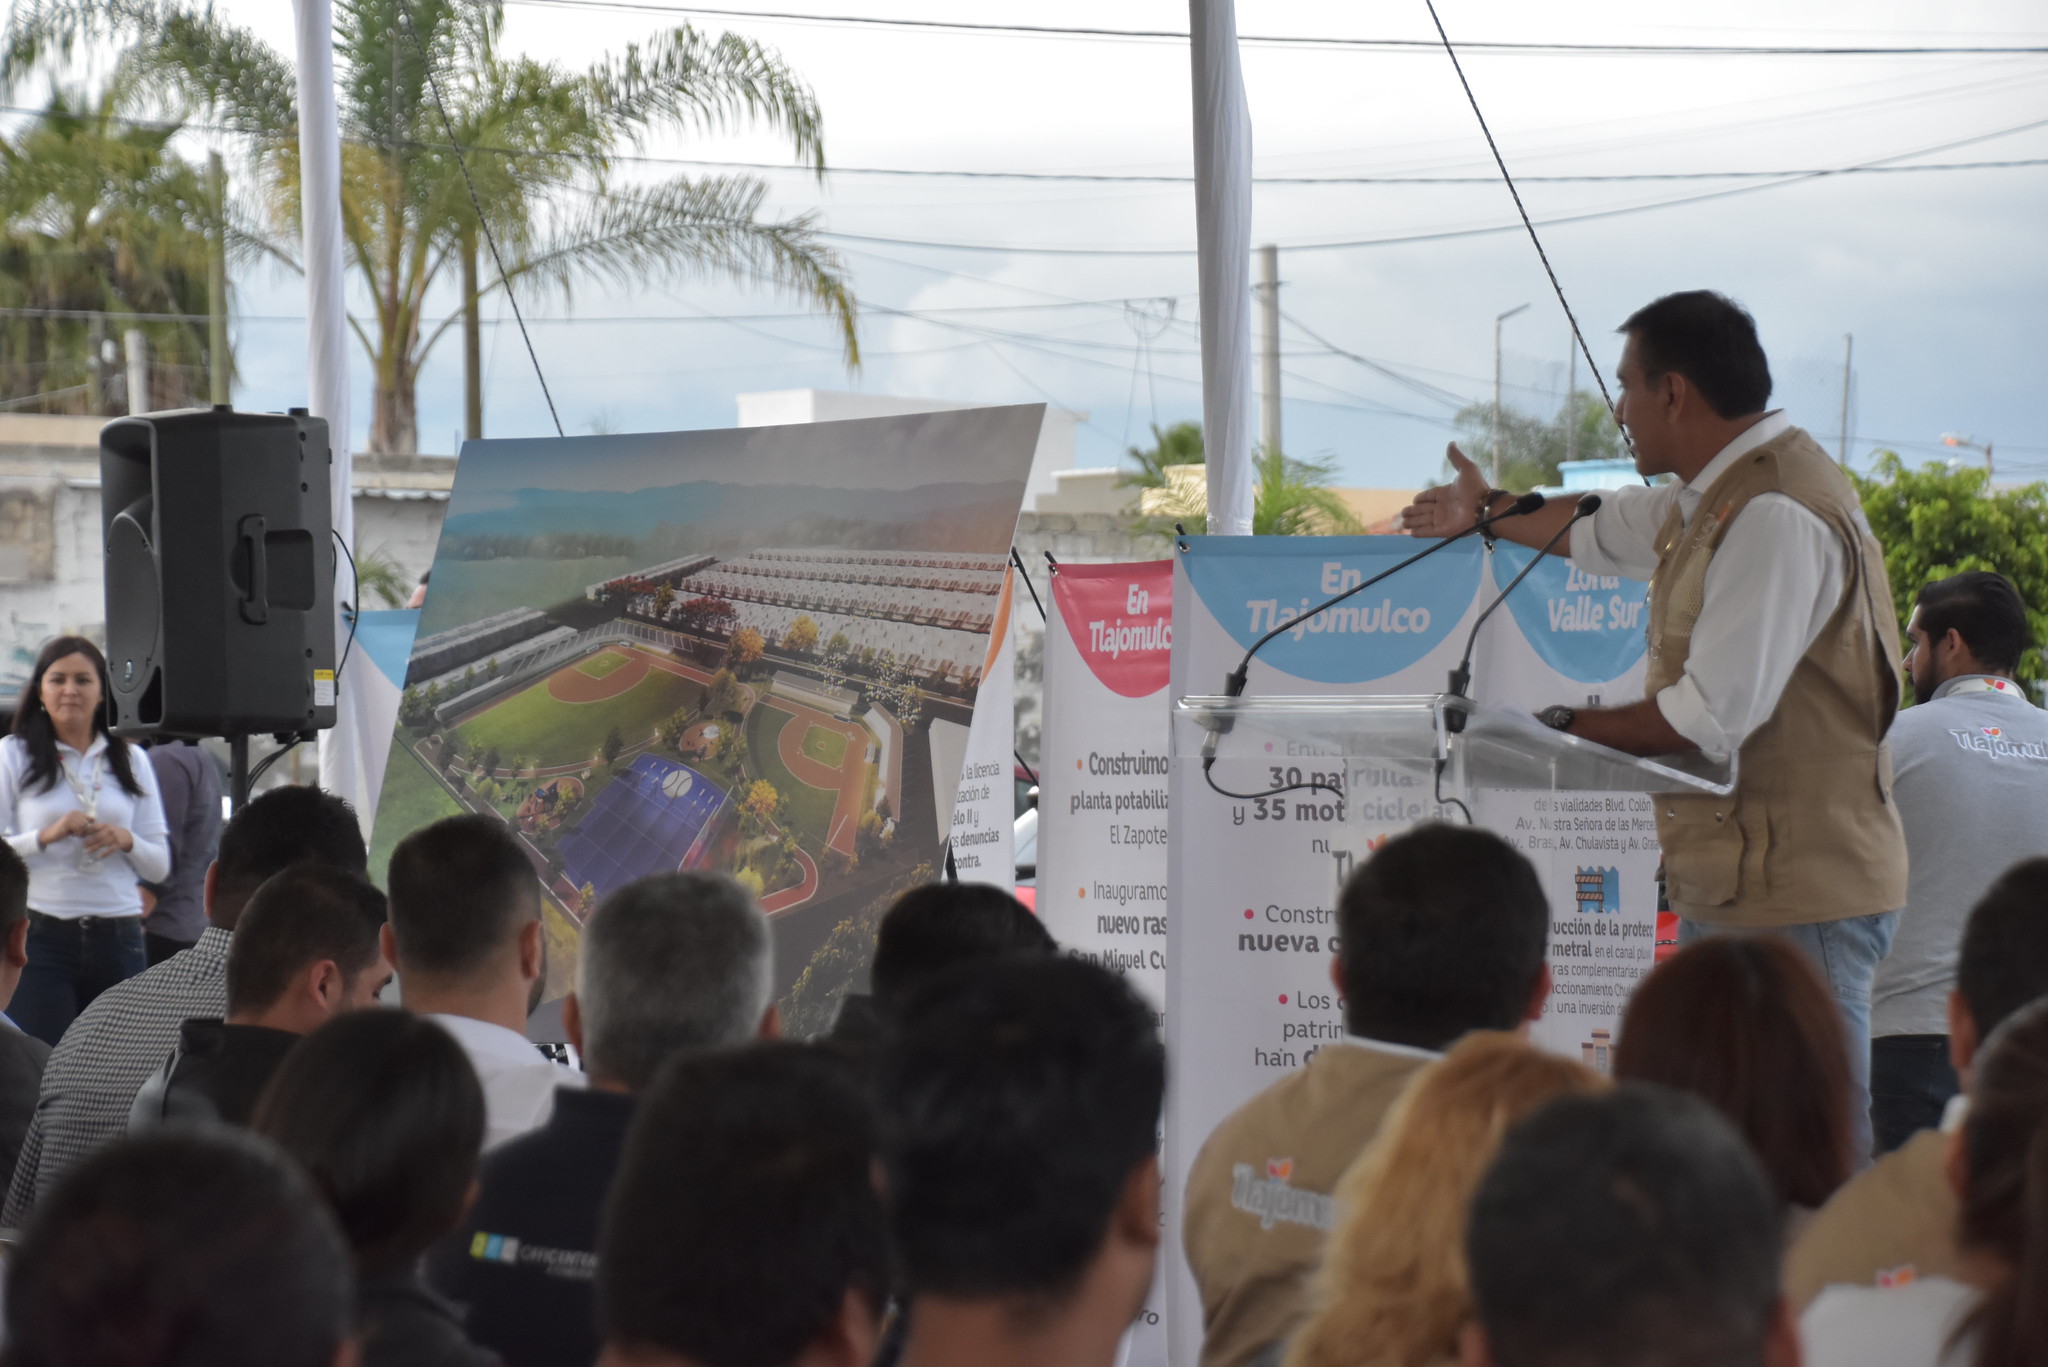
519 1082
57 885
1770 588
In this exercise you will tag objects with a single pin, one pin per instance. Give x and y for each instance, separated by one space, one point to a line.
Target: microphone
1461 677
1233 683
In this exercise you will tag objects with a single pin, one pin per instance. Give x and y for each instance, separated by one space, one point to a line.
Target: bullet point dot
1082 893
1269 747
1077 764
1283 999
1247 913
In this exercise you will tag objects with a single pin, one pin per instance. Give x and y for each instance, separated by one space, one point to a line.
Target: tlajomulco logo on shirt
1274 1201
573 1264
1991 740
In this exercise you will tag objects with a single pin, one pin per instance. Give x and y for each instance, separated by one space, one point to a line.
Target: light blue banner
1587 627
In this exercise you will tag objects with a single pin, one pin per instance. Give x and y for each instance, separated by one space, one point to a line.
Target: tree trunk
394 416
472 344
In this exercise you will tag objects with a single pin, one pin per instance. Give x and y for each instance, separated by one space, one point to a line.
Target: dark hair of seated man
182 1249
1442 931
1020 1105
1634 1229
745 1228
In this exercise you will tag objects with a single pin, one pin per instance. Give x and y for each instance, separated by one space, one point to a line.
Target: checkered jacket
103 1060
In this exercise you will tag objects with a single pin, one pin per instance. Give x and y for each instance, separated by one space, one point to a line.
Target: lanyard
1984 683
88 798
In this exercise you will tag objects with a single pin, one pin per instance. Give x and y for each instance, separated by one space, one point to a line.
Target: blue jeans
1847 953
69 964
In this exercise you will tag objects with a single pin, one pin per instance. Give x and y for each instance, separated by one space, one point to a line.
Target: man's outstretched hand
1450 508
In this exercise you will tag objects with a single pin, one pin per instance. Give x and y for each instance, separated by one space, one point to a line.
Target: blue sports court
656 817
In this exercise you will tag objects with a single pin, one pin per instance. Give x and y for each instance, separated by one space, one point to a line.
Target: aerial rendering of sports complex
764 715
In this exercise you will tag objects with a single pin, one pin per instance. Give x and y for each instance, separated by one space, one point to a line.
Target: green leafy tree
545 144
1532 449
613 743
490 761
841 963
377 573
1936 521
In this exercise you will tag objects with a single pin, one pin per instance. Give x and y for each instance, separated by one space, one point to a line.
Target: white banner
1564 636
983 824
1102 790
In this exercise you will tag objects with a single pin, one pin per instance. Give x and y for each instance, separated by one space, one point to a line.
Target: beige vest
1810 833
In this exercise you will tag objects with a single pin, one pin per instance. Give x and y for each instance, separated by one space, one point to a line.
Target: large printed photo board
723 650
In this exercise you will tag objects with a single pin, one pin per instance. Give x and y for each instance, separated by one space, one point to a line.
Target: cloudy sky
1941 276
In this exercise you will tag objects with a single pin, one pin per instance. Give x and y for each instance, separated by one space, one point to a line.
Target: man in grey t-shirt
1972 789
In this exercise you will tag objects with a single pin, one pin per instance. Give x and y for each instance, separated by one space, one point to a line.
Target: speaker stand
238 773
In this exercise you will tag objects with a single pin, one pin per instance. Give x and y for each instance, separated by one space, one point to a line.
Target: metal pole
1848 355
1989 469
1269 342
472 344
137 347
1497 321
1223 235
1571 404
217 280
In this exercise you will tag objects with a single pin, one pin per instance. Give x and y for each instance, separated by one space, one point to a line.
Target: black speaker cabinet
219 572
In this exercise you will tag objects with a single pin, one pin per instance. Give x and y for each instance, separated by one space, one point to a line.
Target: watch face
1557 718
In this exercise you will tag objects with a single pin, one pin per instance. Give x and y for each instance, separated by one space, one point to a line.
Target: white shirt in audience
1889 1326
519 1082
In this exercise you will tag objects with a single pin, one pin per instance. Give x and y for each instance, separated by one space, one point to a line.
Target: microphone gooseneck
1234 682
1461 677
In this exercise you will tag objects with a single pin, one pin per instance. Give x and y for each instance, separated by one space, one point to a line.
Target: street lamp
1497 321
1957 439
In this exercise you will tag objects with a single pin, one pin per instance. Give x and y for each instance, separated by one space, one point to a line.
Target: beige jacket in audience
1259 1194
1893 1222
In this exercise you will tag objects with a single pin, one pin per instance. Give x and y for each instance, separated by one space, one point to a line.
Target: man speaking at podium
1772 636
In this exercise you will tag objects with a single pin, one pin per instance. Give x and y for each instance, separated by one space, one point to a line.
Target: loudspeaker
219 572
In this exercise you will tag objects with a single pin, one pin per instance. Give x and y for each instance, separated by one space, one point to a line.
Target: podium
1387 762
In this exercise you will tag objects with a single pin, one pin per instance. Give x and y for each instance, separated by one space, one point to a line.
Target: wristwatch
1559 717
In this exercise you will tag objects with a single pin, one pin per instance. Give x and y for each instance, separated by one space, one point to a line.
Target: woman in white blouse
81 808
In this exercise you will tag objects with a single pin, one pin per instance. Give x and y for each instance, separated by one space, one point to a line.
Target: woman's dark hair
383 1110
1746 1022
2005 1189
32 720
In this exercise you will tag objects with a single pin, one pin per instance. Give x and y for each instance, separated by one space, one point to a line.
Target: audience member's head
674 961
465 916
1969 623
1746 1023
1393 1289
1441 931
283 827
744 1228
2002 963
2000 1168
1633 1229
185 1249
306 949
13 921
933 927
1019 1101
384 1111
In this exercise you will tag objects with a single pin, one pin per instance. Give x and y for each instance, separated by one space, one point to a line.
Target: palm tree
1180 444
542 145
1292 498
105 228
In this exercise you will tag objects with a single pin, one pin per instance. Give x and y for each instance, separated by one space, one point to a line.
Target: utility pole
1497 321
138 370
217 280
1269 341
1848 355
1571 403
95 371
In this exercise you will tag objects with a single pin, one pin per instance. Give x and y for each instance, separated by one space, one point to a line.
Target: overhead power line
1417 45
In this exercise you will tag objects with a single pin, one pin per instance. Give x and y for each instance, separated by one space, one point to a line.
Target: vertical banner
382 647
1103 777
1576 638
1103 772
1253 883
982 826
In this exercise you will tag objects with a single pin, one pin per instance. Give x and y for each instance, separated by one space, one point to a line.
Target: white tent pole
1223 233
341 763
